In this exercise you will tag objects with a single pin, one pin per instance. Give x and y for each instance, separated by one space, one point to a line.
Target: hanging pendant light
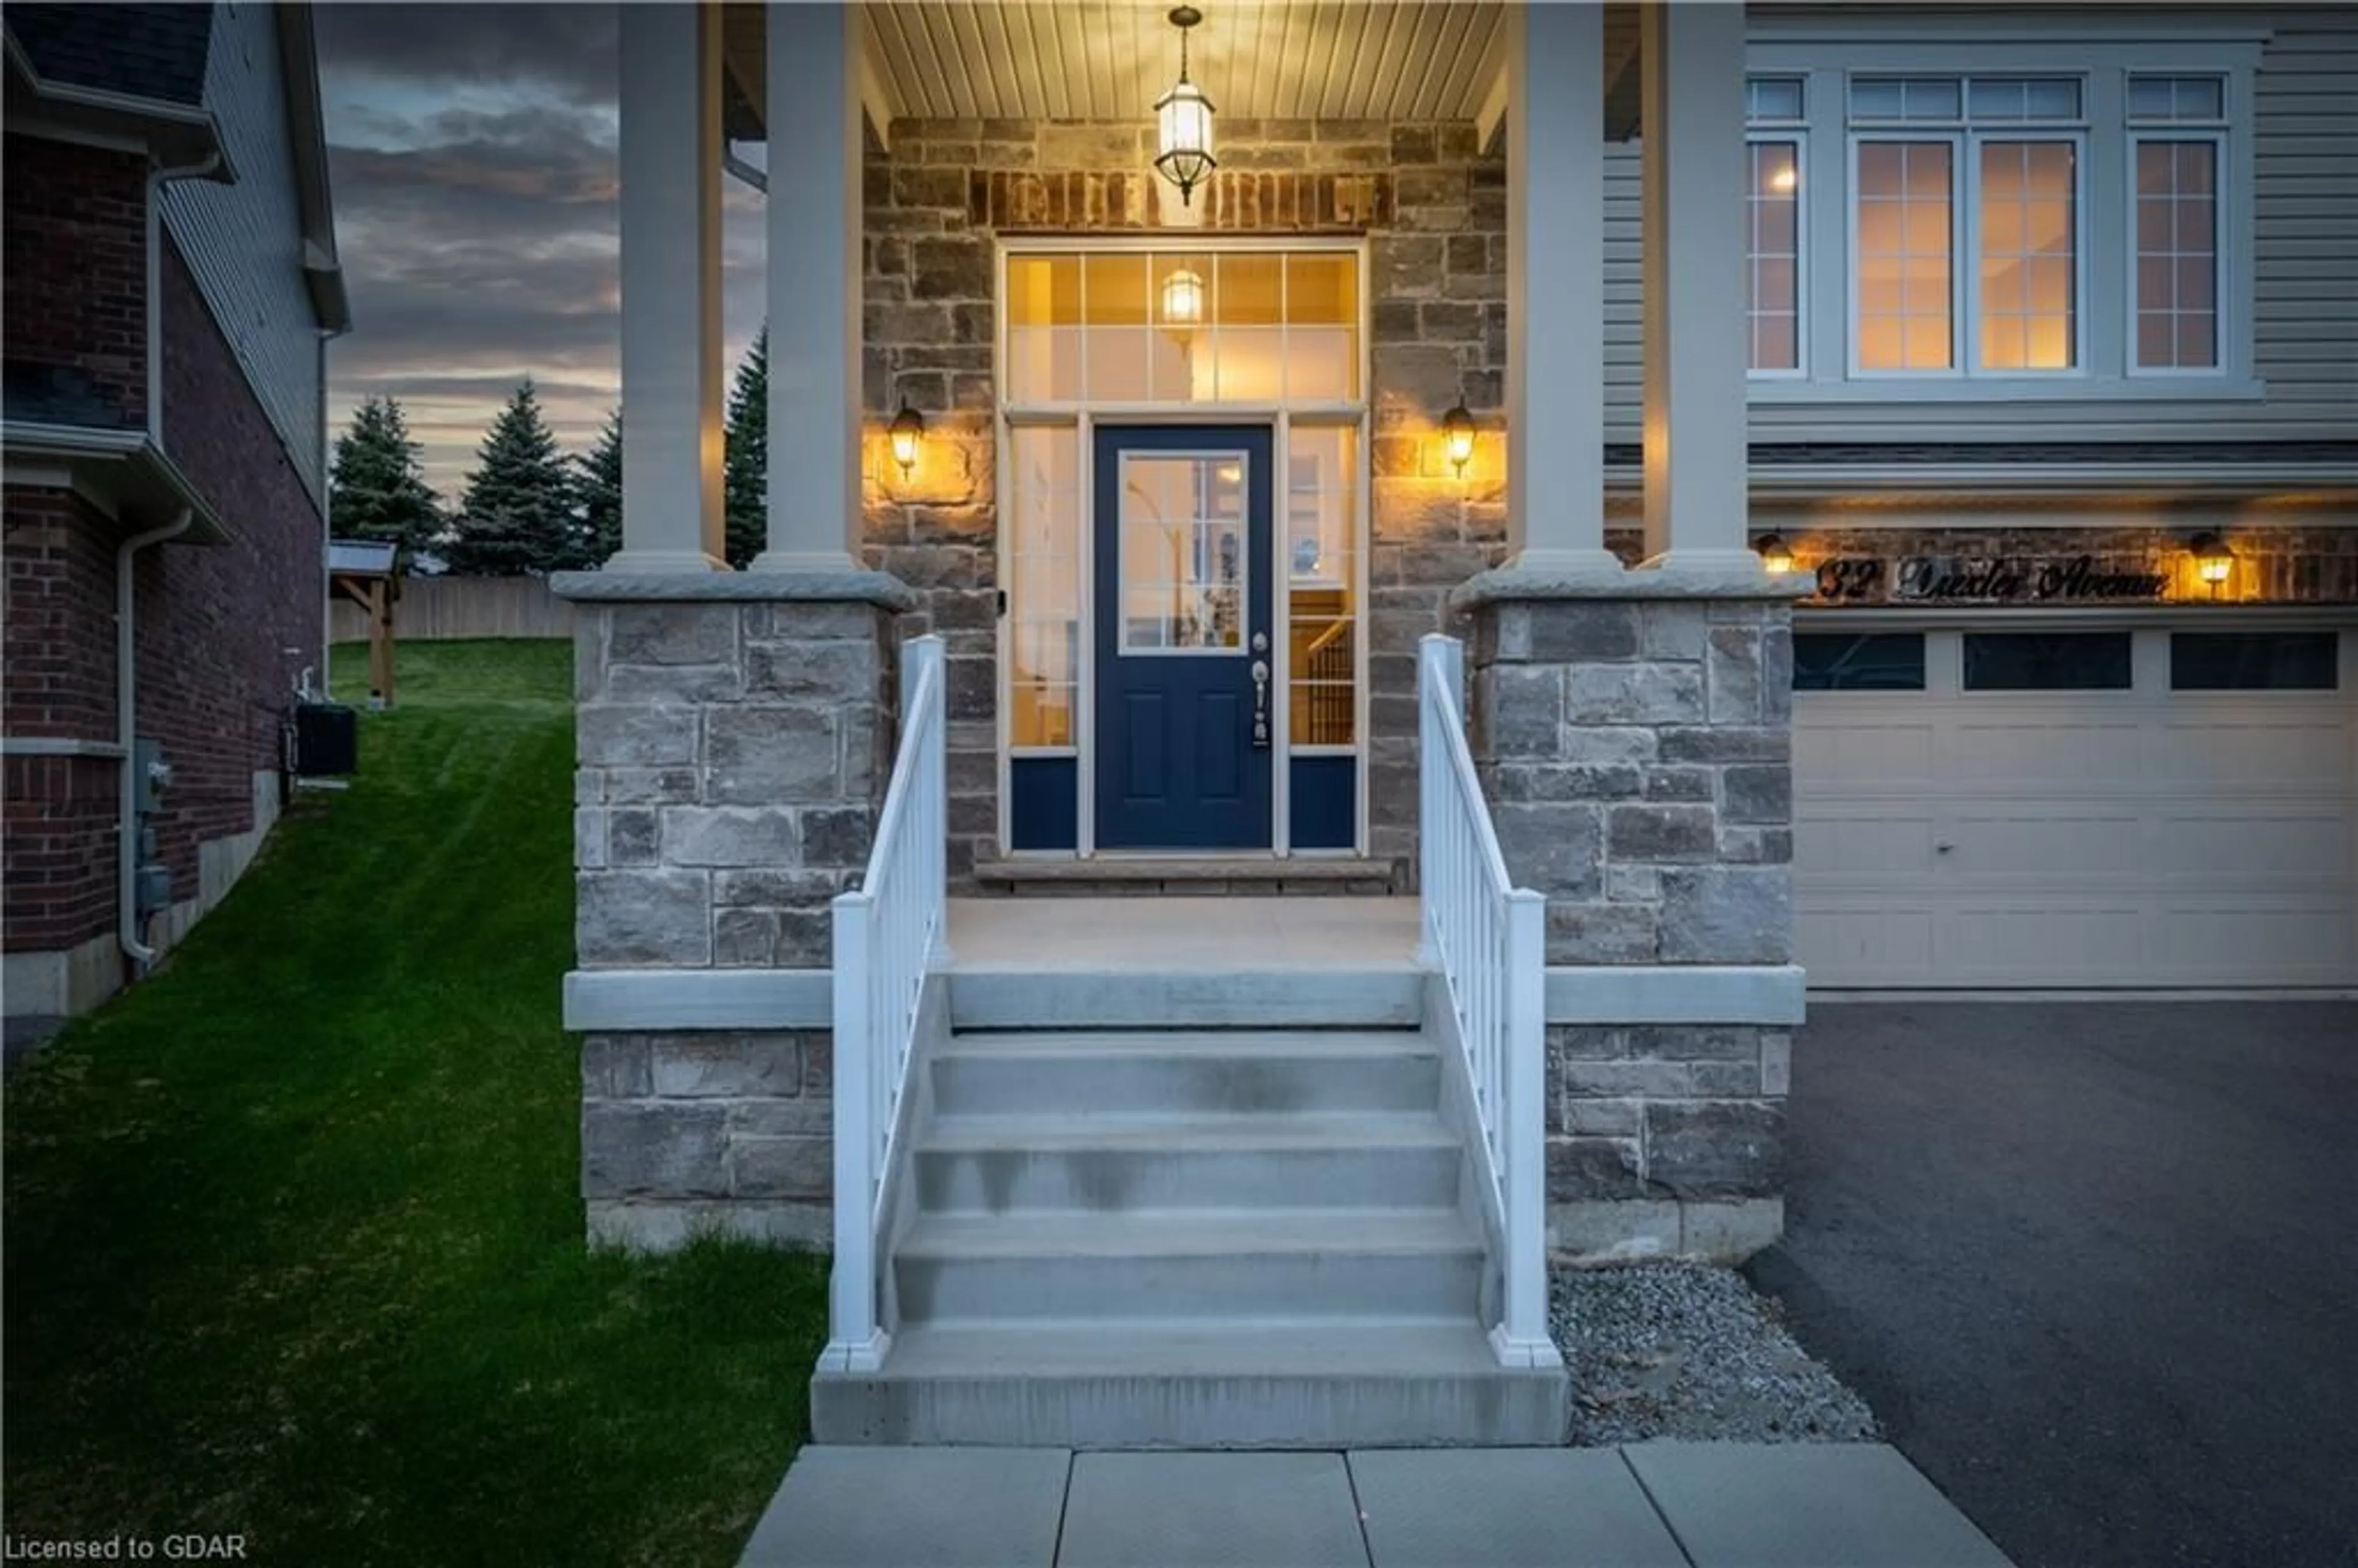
1183 119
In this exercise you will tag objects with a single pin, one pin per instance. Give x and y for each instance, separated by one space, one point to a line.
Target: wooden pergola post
375 593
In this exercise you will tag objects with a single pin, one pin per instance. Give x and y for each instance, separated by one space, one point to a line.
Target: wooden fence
433 608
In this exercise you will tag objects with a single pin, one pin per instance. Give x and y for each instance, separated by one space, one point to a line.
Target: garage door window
1875 661
2046 661
2251 661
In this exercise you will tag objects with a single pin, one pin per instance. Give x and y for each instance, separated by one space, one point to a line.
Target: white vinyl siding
2288 229
243 242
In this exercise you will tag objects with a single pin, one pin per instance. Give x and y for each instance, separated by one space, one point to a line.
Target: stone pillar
1691 181
732 754
670 164
814 280
1555 288
1636 748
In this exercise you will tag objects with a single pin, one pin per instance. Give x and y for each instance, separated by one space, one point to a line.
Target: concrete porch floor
1182 934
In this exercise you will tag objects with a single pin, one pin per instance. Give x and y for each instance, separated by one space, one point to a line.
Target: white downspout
126 642
127 731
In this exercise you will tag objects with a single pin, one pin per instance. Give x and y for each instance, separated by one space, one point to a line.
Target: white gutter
126 730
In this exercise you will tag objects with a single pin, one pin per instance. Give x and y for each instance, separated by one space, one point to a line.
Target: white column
814 218
671 289
1555 289
1692 123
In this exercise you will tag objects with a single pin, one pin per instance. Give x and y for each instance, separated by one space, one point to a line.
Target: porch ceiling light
2214 561
1457 437
1775 554
1183 119
908 428
1182 298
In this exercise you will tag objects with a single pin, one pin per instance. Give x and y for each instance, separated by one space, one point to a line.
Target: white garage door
2018 806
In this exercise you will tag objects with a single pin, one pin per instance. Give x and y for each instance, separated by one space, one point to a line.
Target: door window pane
1905 221
2253 661
1873 661
1773 276
1183 562
2046 661
2029 243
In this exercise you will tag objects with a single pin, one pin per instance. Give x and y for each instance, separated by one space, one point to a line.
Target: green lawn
293 1246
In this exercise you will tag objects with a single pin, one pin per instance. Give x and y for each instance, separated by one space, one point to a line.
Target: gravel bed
1685 1350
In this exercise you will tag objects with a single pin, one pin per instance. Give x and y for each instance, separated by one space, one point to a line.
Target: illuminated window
1182 327
1965 204
1774 106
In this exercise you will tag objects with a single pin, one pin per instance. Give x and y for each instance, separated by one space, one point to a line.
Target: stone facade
732 757
1638 757
720 1130
1433 209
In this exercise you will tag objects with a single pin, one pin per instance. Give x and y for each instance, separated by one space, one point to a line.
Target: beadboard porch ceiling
1109 59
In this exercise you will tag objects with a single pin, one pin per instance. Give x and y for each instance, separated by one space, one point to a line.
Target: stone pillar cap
880 589
1508 585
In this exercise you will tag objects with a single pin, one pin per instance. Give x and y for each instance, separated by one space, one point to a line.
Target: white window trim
2104 55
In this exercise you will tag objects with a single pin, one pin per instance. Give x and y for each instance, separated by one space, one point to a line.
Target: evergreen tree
517 514
378 490
599 487
746 454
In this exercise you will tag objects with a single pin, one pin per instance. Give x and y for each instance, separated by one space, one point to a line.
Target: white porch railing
888 936
1487 938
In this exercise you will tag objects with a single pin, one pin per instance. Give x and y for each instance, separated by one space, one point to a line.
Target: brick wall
1435 214
76 244
216 625
216 673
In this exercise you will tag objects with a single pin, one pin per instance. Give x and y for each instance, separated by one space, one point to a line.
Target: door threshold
1177 873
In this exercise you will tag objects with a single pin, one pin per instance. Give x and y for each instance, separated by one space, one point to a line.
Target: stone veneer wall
731 761
1434 211
1638 757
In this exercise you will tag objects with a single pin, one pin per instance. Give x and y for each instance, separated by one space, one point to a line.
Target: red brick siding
59 679
75 265
216 626
214 623
61 827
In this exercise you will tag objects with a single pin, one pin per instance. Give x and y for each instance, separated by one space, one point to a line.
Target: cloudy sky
472 151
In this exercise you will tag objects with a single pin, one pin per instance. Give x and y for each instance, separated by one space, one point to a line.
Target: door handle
1261 705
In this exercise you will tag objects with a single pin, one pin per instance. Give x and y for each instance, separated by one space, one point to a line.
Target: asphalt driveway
2095 1265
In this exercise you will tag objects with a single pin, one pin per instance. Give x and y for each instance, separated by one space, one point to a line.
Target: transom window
2027 216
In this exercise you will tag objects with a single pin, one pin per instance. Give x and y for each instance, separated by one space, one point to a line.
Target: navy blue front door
1184 657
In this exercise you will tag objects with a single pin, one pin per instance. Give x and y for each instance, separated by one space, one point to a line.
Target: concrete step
1372 995
1176 1071
1278 1383
1246 1160
1336 1264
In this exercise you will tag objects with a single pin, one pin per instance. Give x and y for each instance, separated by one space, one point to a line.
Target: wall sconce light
1457 437
908 428
1182 298
2214 561
1775 554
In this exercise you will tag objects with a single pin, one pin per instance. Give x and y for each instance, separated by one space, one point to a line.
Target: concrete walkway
1657 1505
